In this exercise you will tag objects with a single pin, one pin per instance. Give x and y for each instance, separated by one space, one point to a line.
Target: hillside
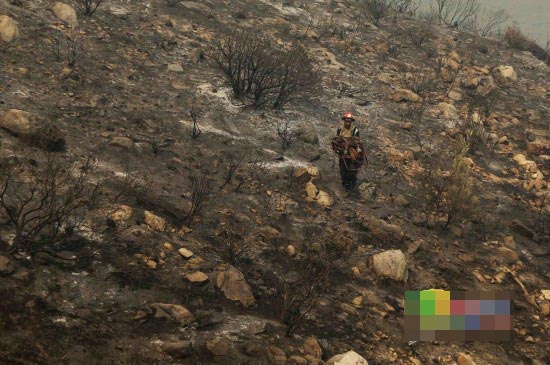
239 245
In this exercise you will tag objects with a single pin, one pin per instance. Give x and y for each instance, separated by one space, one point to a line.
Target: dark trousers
348 174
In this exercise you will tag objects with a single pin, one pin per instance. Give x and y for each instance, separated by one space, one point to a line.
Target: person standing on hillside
348 165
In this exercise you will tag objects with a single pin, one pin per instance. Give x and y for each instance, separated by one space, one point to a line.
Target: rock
391 264
198 277
218 346
155 222
119 11
518 227
175 67
276 355
311 191
311 347
123 142
401 201
308 134
196 6
301 175
290 250
505 73
509 242
19 122
8 29
297 360
324 199
447 110
463 359
65 13
30 128
123 213
168 246
185 253
405 95
509 255
485 86
453 55
348 358
233 285
177 348
545 308
173 312
382 230
468 162
6 266
151 264
312 171
455 95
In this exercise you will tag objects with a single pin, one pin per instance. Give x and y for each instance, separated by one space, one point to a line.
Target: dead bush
201 191
45 201
520 42
455 12
487 22
376 9
90 6
314 276
233 243
68 46
262 72
404 6
286 134
448 188
422 35
475 135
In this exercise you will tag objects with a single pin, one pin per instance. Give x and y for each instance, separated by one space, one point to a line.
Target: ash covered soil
150 283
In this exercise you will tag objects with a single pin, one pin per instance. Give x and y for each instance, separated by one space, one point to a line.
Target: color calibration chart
439 315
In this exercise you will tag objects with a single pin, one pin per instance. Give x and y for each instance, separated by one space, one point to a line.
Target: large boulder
405 95
173 312
347 358
8 29
65 13
33 130
391 264
307 133
233 285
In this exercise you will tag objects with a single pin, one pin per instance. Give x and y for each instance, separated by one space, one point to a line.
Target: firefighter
348 168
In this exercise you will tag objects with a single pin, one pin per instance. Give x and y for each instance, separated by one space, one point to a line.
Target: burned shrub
90 6
448 188
376 9
45 201
314 277
520 42
262 72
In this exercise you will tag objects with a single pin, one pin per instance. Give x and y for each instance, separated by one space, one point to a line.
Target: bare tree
45 201
487 22
455 12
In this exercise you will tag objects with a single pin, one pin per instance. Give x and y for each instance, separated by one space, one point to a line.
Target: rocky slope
149 286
